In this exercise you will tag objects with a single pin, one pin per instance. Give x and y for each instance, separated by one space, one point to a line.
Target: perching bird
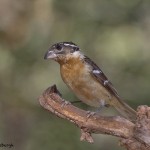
86 79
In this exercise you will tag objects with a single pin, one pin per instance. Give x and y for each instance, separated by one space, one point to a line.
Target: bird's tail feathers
124 109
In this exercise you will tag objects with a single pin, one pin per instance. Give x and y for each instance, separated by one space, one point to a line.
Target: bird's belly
89 90
92 94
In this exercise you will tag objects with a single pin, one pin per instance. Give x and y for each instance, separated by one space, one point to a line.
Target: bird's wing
98 74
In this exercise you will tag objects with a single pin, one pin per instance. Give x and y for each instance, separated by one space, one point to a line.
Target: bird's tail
124 109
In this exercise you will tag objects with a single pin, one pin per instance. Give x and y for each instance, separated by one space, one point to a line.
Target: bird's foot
90 113
64 103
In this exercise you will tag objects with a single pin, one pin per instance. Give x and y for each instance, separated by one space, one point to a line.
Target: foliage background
115 34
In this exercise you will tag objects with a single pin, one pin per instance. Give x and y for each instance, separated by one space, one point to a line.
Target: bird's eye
58 47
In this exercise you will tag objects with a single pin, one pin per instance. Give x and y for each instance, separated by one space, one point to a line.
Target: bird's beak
50 55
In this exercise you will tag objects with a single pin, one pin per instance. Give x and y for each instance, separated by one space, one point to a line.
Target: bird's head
60 51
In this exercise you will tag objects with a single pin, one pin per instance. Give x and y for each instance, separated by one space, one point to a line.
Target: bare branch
115 125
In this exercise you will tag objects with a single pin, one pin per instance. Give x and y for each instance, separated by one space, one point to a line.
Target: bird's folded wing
98 74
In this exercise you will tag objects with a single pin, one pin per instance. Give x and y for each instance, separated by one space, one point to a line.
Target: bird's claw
64 103
90 113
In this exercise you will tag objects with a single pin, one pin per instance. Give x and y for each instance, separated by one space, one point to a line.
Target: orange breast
77 77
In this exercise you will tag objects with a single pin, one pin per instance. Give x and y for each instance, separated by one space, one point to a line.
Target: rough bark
132 136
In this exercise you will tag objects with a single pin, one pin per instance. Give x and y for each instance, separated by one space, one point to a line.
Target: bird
86 79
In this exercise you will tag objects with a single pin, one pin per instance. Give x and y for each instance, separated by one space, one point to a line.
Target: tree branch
133 136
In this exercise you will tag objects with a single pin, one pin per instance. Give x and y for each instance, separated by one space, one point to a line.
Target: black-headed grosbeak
86 79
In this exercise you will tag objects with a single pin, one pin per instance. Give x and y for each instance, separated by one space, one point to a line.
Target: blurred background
115 34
